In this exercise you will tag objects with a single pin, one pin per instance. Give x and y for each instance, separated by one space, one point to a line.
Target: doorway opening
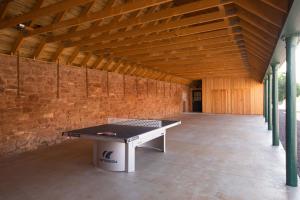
197 96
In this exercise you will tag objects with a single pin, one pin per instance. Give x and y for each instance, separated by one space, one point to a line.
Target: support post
269 101
265 99
275 131
291 126
266 103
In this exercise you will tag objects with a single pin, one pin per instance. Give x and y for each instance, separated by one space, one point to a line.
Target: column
275 130
264 103
291 129
267 97
269 101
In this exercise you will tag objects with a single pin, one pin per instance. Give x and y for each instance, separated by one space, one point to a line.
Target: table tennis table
115 142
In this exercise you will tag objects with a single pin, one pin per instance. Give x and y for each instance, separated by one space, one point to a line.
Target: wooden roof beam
20 38
102 14
260 24
248 26
282 5
149 40
268 47
39 49
260 9
86 60
150 17
157 28
195 45
45 11
84 12
3 8
176 43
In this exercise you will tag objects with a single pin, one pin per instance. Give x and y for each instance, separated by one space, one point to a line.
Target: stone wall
47 103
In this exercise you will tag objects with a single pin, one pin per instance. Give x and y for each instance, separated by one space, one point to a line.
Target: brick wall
50 102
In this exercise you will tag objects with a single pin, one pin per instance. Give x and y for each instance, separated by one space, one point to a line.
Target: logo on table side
106 157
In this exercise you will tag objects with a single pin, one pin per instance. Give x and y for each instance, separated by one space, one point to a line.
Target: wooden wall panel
232 96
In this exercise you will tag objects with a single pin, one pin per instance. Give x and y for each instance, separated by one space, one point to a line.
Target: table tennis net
136 122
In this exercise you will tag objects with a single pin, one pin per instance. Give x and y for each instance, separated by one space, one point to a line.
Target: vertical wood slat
124 85
107 83
136 86
170 92
147 87
232 96
164 89
86 81
57 78
18 74
156 88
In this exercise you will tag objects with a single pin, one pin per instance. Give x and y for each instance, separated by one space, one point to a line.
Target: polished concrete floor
208 157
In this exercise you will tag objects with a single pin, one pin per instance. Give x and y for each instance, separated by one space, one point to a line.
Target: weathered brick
37 117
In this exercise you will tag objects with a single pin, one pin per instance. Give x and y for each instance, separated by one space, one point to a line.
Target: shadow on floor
282 134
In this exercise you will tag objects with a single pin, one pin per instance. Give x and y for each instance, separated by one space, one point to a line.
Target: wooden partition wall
232 96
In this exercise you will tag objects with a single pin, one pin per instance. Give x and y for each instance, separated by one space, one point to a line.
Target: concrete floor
208 157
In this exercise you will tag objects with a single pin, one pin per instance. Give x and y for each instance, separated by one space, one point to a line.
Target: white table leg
164 142
130 157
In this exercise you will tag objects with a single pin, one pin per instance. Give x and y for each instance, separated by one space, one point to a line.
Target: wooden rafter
259 9
38 50
20 38
3 8
149 17
51 9
122 9
155 39
84 12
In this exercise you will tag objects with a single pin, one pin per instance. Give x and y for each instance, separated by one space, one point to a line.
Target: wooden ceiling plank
43 43
152 29
73 56
20 38
282 6
97 62
271 30
258 49
84 12
150 17
45 11
248 26
86 59
250 51
178 47
102 14
149 40
257 8
258 42
57 53
175 43
180 55
253 34
178 33
3 8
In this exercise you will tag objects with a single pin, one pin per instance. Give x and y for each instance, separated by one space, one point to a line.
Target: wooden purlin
142 38
259 9
38 50
153 29
150 40
149 17
84 12
118 10
3 8
45 11
20 38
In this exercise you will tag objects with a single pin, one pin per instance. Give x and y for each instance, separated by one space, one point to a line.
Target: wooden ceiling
173 40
